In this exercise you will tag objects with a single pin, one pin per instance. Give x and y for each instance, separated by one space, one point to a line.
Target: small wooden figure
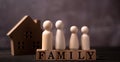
26 36
74 42
85 41
60 38
47 36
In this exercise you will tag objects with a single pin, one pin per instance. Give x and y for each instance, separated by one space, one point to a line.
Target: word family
65 54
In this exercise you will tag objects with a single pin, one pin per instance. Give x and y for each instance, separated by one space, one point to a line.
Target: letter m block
61 54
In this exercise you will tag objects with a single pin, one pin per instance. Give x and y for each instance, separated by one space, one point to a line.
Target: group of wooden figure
60 52
27 37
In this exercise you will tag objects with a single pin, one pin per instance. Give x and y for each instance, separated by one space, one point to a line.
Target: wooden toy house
25 36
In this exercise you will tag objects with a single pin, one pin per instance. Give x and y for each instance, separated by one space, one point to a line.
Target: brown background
101 16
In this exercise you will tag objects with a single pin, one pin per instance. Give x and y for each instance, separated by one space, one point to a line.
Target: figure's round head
74 29
47 25
84 29
59 24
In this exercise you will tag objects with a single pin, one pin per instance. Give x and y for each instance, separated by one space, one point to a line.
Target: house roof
15 27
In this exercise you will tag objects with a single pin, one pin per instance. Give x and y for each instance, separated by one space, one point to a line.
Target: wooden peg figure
85 41
74 43
60 38
47 36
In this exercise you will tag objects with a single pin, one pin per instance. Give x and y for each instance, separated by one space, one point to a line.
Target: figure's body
47 36
85 41
74 42
60 38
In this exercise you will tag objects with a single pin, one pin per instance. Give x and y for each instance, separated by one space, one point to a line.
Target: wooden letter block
91 55
50 55
61 54
40 54
65 54
72 54
81 55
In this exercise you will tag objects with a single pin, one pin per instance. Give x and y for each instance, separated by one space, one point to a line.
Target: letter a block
50 55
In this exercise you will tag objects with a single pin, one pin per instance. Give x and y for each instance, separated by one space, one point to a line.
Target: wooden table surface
104 54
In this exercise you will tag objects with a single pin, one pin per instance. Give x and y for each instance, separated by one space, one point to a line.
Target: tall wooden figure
85 41
60 38
47 36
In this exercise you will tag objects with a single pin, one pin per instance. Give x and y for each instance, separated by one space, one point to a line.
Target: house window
20 45
28 35
36 45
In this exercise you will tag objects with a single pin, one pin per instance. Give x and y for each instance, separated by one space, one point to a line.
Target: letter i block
61 54
40 54
91 55
72 54
50 55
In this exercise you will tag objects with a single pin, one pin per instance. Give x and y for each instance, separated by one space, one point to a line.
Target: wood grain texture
72 54
81 55
61 54
25 36
50 55
91 55
40 54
